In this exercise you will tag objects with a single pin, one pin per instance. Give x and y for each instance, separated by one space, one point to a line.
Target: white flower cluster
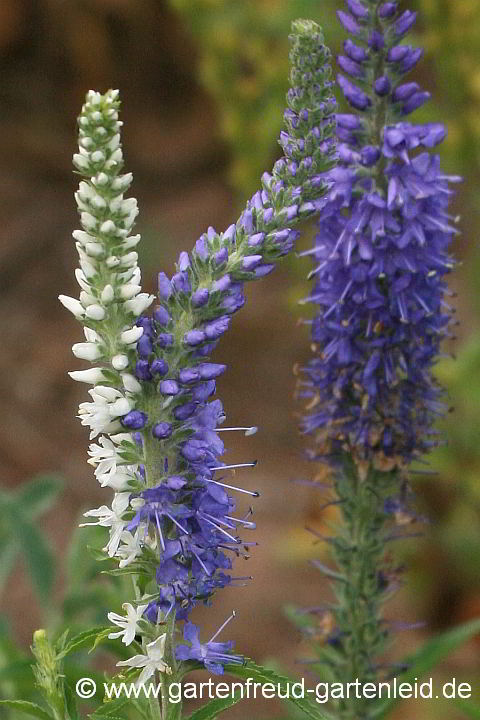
109 277
110 301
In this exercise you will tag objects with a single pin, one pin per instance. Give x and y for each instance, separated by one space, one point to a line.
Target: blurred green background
203 85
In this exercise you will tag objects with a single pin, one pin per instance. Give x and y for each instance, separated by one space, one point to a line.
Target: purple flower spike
135 420
380 262
162 430
169 387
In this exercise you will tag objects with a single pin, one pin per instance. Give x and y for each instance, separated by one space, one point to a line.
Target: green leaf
28 708
38 495
428 657
215 706
82 640
109 706
101 637
470 709
18 671
38 555
70 701
265 675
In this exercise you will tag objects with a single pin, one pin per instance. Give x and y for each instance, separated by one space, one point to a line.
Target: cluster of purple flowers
187 499
381 255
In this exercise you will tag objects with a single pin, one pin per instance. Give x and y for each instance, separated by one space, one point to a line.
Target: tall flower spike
380 261
172 521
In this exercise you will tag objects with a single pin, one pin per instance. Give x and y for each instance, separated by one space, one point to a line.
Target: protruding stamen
253 493
248 430
222 626
232 467
160 534
245 523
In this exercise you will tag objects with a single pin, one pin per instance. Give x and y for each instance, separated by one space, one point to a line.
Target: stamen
253 493
248 430
237 541
177 524
222 626
232 467
245 523
160 531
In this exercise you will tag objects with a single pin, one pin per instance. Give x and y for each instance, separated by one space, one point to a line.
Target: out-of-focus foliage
244 64
19 534
84 603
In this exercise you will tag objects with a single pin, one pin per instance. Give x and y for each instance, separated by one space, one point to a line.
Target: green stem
359 553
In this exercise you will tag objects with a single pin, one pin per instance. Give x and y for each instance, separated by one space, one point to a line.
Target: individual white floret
111 518
131 545
87 351
73 305
120 362
107 294
151 662
101 414
95 312
132 335
128 623
130 383
139 304
91 376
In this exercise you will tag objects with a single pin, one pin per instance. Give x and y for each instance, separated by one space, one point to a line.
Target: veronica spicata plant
380 258
155 429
